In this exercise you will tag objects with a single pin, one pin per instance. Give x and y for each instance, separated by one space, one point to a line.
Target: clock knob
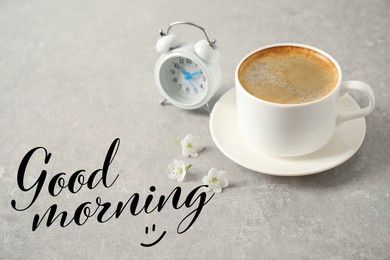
206 52
166 42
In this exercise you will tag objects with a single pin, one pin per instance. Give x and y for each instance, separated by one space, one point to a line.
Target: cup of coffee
287 99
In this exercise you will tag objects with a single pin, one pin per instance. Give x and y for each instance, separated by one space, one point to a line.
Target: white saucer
346 141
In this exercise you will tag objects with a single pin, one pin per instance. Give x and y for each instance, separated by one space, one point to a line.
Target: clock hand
195 73
192 84
187 76
185 73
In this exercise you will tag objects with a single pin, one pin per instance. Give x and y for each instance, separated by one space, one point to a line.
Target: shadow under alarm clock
187 74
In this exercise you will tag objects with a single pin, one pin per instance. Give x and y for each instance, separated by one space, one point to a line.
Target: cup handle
362 87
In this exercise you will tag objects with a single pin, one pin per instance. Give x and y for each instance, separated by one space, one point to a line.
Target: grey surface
74 75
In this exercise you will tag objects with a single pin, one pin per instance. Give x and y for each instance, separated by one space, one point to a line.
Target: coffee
288 75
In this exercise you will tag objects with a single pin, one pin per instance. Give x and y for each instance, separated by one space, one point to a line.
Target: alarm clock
187 74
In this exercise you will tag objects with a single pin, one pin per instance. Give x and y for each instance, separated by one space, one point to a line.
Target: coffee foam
288 75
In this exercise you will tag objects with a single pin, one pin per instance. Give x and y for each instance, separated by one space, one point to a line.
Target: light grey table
75 75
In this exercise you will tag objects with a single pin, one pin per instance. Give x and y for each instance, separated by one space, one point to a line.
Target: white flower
178 170
216 180
190 146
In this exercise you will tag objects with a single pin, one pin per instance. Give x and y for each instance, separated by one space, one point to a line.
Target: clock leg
207 108
162 101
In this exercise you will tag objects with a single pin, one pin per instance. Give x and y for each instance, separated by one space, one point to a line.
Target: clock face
187 76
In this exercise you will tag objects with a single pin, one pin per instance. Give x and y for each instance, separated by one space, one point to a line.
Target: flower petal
172 176
185 152
180 177
221 173
224 182
217 188
206 180
197 148
213 172
193 153
189 138
181 164
171 167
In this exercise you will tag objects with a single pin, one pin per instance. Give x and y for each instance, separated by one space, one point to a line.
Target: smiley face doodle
155 242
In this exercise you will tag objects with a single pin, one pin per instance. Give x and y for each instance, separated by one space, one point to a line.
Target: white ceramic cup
295 129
